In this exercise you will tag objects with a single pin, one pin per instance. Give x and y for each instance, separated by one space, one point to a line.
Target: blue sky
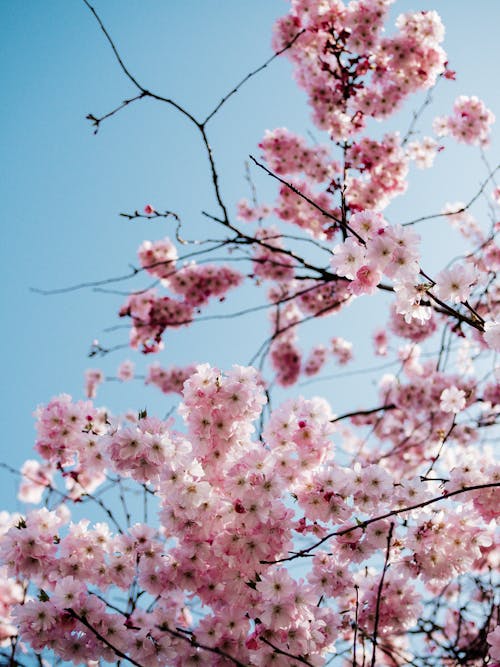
62 188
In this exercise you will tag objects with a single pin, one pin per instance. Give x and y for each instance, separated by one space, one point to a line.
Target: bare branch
357 413
387 515
299 658
97 121
99 636
191 639
252 74
460 210
379 596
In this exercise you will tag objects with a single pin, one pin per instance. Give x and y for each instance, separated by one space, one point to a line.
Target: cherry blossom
492 335
455 284
469 123
452 400
252 525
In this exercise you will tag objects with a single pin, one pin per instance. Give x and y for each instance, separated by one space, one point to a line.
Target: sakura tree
254 526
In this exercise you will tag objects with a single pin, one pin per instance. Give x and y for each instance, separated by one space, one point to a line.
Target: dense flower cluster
295 208
285 534
151 315
358 72
198 283
68 437
288 154
158 257
470 121
316 360
223 495
11 591
195 284
423 152
382 167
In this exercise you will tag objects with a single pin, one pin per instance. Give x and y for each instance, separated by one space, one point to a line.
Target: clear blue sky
61 188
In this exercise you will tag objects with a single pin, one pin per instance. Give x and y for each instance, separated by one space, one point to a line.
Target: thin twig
195 644
99 636
289 655
460 210
356 413
252 74
379 595
367 522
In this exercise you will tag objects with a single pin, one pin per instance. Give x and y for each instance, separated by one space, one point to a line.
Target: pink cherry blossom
452 400
492 334
247 523
469 123
126 371
455 284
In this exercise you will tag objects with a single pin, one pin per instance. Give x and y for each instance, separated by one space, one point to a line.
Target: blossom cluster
360 73
390 512
287 154
469 123
268 262
168 380
382 167
196 284
390 250
223 495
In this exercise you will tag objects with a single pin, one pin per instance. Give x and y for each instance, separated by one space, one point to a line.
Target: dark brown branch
103 639
289 655
115 51
10 658
417 114
355 640
97 121
150 216
190 639
443 306
379 596
425 476
310 201
264 348
356 413
252 74
474 321
132 79
243 238
387 515
104 508
135 271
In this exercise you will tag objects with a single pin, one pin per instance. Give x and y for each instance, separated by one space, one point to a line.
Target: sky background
62 188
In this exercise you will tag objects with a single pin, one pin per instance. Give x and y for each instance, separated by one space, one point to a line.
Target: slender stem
379 595
252 74
298 658
367 522
356 413
103 639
